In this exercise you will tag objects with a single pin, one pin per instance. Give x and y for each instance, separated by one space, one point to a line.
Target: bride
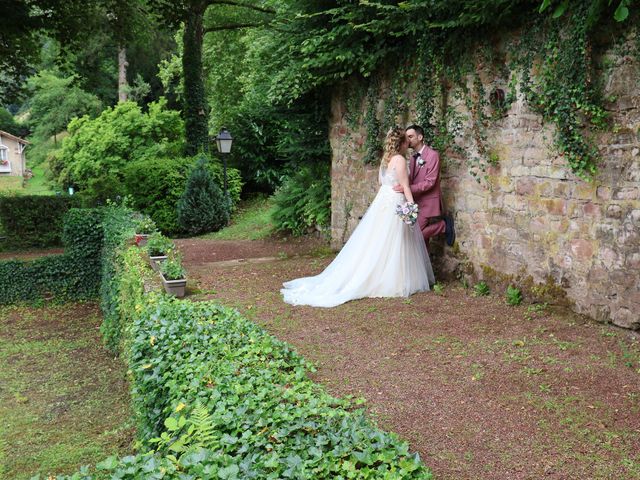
384 257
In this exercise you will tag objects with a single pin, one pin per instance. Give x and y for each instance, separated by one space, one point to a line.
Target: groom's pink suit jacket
425 187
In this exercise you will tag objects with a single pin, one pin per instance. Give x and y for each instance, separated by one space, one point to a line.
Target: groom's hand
398 188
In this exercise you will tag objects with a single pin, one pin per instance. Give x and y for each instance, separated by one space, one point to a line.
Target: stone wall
532 222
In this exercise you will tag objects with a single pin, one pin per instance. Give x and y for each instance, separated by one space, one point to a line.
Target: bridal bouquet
408 212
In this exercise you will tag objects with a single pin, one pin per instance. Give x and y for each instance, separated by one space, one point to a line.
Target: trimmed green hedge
31 221
75 275
215 396
118 225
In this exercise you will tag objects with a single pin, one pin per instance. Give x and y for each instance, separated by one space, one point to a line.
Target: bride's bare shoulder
397 160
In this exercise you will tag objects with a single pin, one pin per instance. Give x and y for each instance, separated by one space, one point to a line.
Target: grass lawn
64 400
251 221
10 184
36 185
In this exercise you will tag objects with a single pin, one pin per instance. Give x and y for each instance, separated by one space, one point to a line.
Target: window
4 159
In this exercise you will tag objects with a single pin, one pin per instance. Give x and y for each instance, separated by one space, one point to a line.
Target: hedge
215 396
31 221
69 277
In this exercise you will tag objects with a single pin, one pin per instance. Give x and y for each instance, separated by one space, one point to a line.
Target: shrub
203 207
303 201
144 224
31 221
514 295
97 151
481 289
156 185
75 275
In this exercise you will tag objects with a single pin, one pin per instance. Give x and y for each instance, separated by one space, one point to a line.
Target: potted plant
173 276
158 246
144 228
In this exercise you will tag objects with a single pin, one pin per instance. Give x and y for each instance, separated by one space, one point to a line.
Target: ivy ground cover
216 396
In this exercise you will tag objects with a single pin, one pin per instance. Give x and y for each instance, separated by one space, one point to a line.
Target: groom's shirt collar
419 152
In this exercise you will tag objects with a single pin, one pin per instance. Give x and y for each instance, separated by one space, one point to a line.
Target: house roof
7 134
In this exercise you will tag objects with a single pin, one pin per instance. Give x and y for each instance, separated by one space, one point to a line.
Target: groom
424 177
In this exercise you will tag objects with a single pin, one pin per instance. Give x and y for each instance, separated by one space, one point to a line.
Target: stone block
505 184
592 210
556 206
603 192
581 249
632 261
520 171
627 193
610 258
614 211
474 203
605 232
623 317
584 191
526 186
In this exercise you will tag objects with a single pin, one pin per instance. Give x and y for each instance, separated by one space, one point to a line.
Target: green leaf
561 9
544 5
108 464
621 13
171 424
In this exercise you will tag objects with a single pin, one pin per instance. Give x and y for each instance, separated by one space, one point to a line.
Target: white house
12 155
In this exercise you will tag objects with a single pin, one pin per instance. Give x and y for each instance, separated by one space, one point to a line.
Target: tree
22 23
9 124
55 101
191 13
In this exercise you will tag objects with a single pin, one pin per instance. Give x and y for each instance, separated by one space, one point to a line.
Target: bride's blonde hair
392 143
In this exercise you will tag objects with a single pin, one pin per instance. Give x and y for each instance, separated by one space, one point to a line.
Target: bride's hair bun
392 143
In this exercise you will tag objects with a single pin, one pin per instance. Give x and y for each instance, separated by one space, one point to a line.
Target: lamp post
224 141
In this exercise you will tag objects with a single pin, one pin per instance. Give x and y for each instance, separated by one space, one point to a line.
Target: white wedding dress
384 257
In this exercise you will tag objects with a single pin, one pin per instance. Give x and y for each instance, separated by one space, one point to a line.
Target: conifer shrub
203 206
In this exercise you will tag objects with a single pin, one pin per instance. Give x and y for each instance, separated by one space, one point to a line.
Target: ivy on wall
551 65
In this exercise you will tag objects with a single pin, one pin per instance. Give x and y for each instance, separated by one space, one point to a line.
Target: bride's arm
400 164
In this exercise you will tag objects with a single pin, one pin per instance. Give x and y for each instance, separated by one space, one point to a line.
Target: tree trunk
196 112
122 74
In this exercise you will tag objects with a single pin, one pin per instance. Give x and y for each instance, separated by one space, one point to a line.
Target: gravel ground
480 389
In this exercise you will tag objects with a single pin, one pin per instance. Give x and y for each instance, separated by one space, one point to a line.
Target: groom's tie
415 165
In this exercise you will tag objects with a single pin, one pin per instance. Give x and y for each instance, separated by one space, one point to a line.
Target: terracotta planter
156 261
174 287
141 239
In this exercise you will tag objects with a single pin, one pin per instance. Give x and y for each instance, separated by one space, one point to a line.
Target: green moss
532 292
64 402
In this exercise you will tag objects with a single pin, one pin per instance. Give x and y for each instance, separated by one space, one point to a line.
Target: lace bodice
387 177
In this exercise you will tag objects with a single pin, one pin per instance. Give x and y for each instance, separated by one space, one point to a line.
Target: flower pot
174 287
141 239
155 262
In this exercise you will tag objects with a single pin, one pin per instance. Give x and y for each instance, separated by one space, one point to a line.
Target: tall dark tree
191 13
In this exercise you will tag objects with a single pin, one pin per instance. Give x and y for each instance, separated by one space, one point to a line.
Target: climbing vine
564 91
550 66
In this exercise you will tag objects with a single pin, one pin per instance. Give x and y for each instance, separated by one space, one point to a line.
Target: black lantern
224 141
